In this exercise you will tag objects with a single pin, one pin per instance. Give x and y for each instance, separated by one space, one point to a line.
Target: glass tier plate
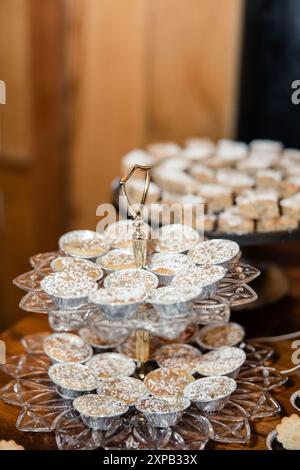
43 410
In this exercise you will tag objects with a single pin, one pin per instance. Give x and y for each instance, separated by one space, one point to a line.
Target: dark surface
270 63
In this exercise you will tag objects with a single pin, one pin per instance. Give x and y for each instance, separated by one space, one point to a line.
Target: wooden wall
155 69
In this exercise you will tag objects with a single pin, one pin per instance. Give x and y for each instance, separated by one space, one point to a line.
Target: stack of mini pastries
243 188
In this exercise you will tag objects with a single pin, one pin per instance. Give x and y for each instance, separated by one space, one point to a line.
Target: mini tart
94 406
174 294
83 244
77 266
180 356
129 278
214 252
167 382
118 295
119 234
159 405
185 337
68 285
163 263
199 276
65 347
288 432
76 377
222 361
108 365
177 238
220 334
210 388
116 260
93 338
125 389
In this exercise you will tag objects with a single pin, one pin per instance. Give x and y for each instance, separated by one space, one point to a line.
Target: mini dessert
214 252
83 244
218 197
119 302
290 186
68 289
207 278
258 205
10 445
167 382
129 278
230 221
283 223
136 157
119 234
79 267
125 389
98 412
291 206
202 173
174 181
72 380
176 238
222 361
211 393
256 162
116 260
219 335
288 432
235 180
166 265
266 145
200 142
174 300
162 150
99 340
231 151
196 153
108 365
185 337
65 347
268 179
292 154
174 164
179 356
162 413
135 189
128 348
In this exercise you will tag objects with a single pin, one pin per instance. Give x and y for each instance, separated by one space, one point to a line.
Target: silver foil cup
206 328
164 279
118 311
101 424
272 443
69 393
209 406
163 419
176 309
80 234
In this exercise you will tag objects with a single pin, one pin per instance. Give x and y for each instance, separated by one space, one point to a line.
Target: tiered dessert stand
42 409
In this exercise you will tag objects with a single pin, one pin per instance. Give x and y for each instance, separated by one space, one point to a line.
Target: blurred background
89 80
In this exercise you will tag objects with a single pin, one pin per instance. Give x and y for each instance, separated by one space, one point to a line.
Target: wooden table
280 318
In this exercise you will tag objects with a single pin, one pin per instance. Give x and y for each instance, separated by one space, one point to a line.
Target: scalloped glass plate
36 302
255 401
19 392
236 294
69 320
231 425
268 378
24 365
242 273
42 261
30 281
211 310
33 344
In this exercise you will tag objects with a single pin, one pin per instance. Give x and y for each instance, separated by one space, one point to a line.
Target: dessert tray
42 409
138 330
